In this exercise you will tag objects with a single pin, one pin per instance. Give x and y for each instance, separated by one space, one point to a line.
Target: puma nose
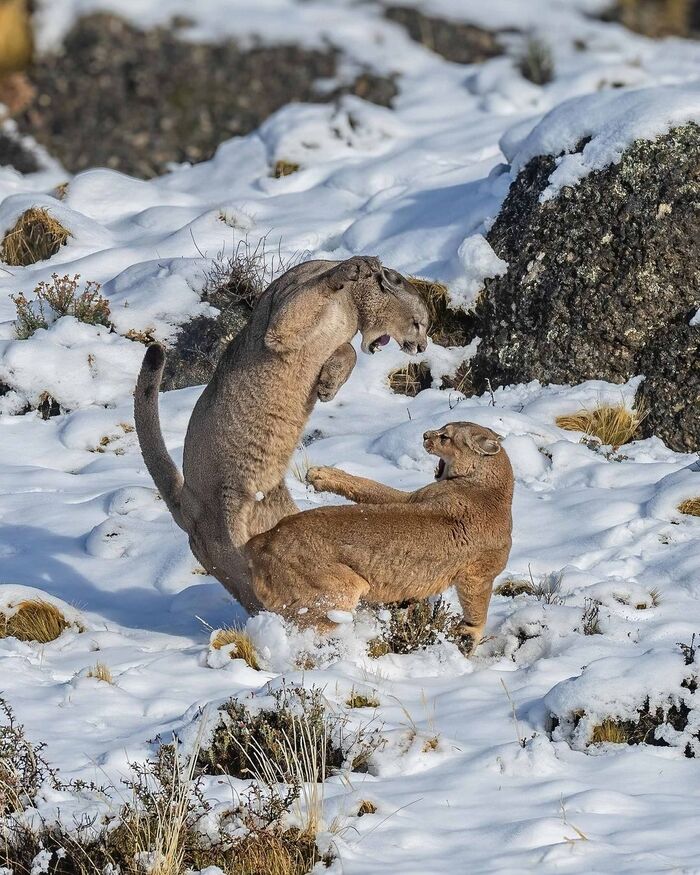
427 435
422 347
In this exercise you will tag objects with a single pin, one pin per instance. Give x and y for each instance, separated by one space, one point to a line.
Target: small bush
101 672
298 741
536 63
590 622
244 647
511 588
59 298
411 379
690 506
36 236
23 769
414 626
613 425
284 168
33 620
360 700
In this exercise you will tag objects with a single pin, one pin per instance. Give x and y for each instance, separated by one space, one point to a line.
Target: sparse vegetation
414 626
284 168
411 379
513 587
101 672
548 590
536 63
23 769
243 645
33 620
366 807
298 732
690 506
361 700
689 650
590 622
613 425
610 732
36 236
446 328
60 297
656 18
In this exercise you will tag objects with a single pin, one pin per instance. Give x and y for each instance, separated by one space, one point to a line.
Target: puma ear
390 280
481 444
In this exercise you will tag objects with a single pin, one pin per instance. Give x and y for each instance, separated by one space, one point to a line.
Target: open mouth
382 340
440 470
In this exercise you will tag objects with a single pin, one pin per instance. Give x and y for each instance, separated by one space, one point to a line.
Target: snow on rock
479 262
609 122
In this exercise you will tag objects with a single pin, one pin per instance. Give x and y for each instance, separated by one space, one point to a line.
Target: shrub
244 647
411 379
35 236
23 768
414 626
60 297
360 700
536 63
33 620
284 168
613 425
690 506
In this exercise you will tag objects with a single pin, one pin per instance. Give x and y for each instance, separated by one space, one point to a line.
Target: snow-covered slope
417 185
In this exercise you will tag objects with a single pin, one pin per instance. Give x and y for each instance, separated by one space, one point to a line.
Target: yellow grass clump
610 732
411 379
101 673
445 326
244 647
284 168
35 236
16 42
512 587
359 700
366 807
613 424
690 506
33 620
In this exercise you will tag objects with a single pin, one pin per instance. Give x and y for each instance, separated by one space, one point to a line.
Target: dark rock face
602 280
137 100
455 41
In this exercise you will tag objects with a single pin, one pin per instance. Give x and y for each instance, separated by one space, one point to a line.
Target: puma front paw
321 478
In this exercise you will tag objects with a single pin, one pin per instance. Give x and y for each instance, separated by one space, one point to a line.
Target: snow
81 524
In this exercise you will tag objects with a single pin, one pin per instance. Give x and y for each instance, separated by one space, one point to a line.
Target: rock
136 101
602 280
456 41
14 153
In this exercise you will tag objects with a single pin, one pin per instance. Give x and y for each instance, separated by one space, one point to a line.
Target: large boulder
603 280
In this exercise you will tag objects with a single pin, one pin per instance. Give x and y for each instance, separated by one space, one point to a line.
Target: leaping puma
248 420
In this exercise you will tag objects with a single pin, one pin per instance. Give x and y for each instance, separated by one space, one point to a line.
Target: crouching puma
394 545
248 420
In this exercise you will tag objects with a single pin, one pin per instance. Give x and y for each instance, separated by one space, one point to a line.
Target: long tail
161 467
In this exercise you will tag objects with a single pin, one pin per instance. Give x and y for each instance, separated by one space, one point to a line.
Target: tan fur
294 350
395 545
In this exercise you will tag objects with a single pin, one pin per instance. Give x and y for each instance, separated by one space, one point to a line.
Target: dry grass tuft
101 673
610 732
366 807
284 168
656 18
613 425
536 63
411 379
33 620
690 506
35 236
513 587
360 700
245 649
60 297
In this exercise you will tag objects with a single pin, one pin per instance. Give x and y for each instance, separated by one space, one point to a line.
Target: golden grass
613 424
366 807
411 379
101 673
35 236
284 168
657 18
513 587
609 732
690 506
16 42
34 620
360 700
244 647
445 327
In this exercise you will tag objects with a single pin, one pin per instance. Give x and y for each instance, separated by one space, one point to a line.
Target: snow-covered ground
418 185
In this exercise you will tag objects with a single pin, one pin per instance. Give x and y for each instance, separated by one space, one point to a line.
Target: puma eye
443 438
416 324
